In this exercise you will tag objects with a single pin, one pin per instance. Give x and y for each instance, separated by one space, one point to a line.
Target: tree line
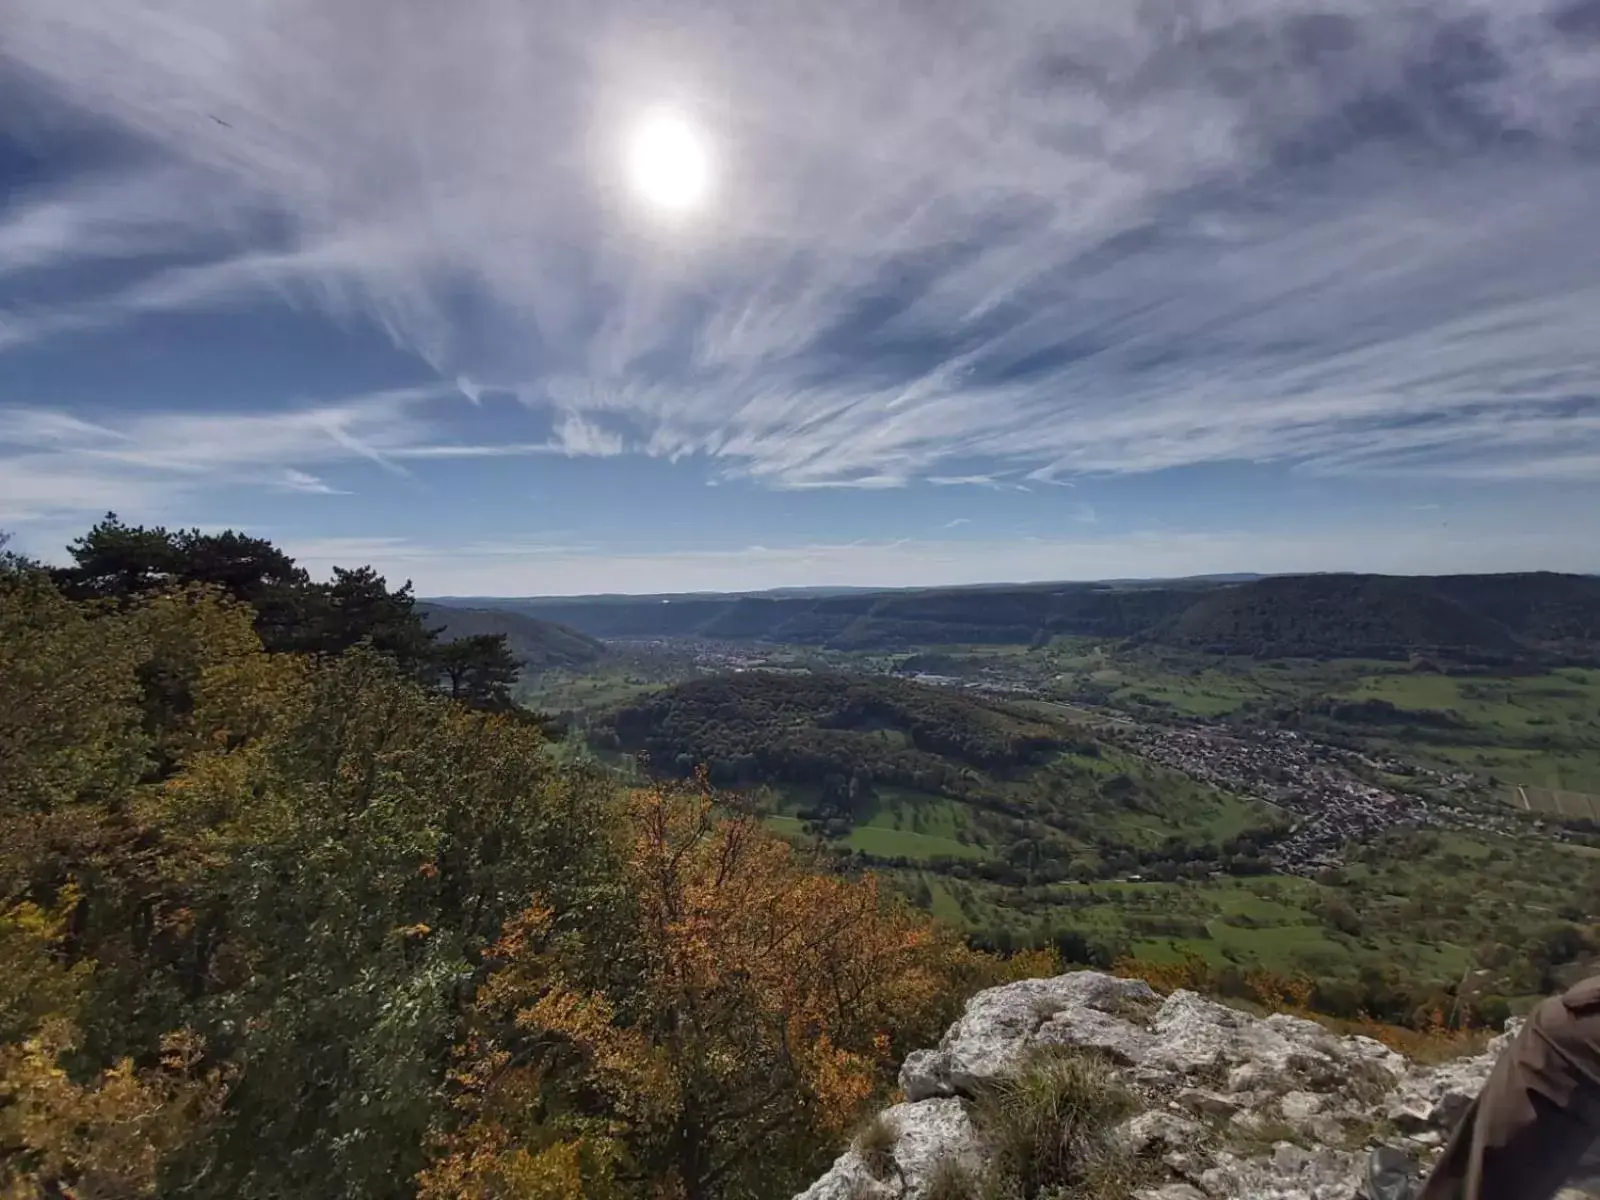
121 564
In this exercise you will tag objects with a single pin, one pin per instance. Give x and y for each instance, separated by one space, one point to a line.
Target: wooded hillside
1471 618
535 644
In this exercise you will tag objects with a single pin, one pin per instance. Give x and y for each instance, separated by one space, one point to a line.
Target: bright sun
669 162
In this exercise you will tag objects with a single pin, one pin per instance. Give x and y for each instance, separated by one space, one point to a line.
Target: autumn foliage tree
287 924
745 1019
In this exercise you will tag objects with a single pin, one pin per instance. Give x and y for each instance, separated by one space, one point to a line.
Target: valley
1383 819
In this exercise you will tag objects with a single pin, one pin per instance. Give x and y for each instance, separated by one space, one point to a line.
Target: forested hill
760 726
533 642
1490 618
1475 618
902 774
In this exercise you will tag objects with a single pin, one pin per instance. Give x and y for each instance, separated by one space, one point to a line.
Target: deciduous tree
747 1020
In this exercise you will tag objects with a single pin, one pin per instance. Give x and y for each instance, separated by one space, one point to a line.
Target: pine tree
479 671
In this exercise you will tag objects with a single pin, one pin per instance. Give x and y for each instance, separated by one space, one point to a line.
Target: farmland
1099 839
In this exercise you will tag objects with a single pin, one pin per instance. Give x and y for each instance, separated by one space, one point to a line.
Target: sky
941 292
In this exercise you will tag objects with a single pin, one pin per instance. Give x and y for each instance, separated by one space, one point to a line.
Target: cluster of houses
1327 791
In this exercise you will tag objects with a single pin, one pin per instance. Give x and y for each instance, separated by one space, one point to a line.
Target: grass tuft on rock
874 1145
949 1180
1048 1128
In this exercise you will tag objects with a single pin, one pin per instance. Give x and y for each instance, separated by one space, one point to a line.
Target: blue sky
1049 289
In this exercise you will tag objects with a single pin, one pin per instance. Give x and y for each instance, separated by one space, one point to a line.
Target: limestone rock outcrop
1233 1106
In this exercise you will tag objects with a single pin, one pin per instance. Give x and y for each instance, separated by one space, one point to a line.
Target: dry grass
1140 1012
1427 1045
1047 1128
949 1180
1259 1139
874 1144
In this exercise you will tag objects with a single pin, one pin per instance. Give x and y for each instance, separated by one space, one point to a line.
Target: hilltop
535 643
1492 619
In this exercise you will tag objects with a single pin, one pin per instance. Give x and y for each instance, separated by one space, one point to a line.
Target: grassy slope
1425 911
587 691
1541 730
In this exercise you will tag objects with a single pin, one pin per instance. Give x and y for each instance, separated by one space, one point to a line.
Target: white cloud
301 481
578 437
55 464
39 489
1067 238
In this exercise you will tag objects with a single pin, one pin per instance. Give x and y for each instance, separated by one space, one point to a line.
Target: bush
1048 1126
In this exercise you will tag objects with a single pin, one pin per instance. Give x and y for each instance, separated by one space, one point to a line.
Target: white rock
1299 1107
1151 1132
1248 1122
1409 1114
1183 1164
999 1025
1326 1128
1196 1035
1288 1173
919 1075
1212 1104
1095 1030
1283 1065
1437 1097
929 1130
1253 1077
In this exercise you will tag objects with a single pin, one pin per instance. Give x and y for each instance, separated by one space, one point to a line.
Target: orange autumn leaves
749 1004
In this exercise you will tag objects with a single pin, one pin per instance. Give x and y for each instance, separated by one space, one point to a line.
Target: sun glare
669 162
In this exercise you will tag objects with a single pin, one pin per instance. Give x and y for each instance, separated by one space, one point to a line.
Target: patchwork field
1429 905
1584 805
1535 732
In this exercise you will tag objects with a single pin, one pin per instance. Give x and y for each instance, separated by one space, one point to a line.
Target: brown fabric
1537 1115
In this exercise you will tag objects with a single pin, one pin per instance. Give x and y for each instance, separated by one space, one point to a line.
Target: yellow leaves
487 1166
105 1137
1190 971
69 713
35 984
1037 963
521 934
555 1173
243 698
622 1059
753 1002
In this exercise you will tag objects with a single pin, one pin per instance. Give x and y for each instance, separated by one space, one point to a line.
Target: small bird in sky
220 121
